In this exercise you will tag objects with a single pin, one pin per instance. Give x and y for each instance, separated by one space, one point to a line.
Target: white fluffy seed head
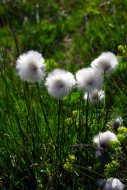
103 139
30 66
59 83
113 184
117 122
105 63
89 79
94 96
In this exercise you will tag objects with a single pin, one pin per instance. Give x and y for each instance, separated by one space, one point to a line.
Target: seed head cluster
31 68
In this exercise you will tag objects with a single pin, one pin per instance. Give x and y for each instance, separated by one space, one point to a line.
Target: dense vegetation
47 143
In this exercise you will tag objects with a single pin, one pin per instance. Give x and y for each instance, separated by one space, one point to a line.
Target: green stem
80 118
86 126
43 111
86 123
105 103
58 129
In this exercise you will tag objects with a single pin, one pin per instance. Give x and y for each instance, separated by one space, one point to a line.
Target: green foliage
111 168
122 135
115 145
69 163
76 31
46 143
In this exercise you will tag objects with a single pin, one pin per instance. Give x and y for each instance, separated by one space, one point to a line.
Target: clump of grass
47 139
47 143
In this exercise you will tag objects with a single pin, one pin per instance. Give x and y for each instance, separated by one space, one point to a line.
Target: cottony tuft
113 184
59 83
30 66
89 79
105 63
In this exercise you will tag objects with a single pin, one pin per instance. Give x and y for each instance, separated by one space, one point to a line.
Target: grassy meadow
47 143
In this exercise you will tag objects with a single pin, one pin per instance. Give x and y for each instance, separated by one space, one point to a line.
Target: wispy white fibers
113 184
94 96
30 66
89 79
105 63
103 139
116 123
59 83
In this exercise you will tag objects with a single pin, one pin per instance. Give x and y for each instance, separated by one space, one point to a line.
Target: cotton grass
103 139
89 79
94 96
105 63
116 123
113 184
30 66
59 83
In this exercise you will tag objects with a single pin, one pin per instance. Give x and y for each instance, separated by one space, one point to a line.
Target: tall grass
48 143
